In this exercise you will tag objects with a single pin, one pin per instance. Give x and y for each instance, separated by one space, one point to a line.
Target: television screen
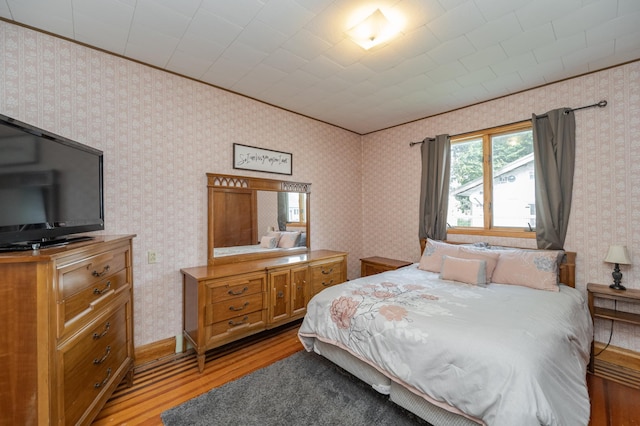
50 186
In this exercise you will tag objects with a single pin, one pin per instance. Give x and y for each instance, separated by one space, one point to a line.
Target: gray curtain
434 187
554 147
283 208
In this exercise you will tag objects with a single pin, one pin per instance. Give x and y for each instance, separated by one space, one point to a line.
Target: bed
468 350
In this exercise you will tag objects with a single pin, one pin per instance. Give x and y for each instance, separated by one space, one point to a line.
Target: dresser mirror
246 215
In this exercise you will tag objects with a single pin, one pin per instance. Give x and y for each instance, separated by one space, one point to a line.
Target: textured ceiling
294 54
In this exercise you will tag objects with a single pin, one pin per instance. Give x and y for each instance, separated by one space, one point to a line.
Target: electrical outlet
152 257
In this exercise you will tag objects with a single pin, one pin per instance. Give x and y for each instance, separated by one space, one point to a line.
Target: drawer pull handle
280 294
232 323
327 284
104 357
327 272
98 292
237 293
96 336
105 381
233 308
104 271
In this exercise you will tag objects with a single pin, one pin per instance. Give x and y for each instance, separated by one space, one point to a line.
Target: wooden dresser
67 338
223 303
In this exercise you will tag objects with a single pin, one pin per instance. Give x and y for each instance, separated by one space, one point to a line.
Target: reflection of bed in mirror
245 250
245 214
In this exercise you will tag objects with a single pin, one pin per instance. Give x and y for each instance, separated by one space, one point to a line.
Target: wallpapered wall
161 134
606 197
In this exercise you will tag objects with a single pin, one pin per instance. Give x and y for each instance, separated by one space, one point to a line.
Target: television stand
40 244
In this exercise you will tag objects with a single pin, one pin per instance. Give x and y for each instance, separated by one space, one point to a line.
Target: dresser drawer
84 287
326 275
75 304
239 305
90 272
234 328
233 288
91 362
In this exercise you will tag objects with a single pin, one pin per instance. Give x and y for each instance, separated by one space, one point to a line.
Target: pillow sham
469 271
528 268
491 258
268 242
431 259
289 239
276 234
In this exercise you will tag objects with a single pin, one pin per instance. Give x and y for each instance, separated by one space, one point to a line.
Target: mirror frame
217 182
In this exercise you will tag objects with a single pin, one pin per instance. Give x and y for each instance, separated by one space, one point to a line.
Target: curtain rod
600 104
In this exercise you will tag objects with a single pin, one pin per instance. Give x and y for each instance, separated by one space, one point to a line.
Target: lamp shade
618 254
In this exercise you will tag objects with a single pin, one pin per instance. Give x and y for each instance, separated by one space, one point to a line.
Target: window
492 182
296 203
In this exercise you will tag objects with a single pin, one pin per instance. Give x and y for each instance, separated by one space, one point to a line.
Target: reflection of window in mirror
296 203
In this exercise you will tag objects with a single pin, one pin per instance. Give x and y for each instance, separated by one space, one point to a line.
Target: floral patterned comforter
503 354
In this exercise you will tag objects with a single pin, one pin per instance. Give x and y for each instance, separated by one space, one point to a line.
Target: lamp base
617 277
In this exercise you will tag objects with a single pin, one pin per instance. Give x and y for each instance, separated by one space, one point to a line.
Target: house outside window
492 182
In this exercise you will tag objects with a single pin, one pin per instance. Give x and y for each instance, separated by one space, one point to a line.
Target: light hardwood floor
168 384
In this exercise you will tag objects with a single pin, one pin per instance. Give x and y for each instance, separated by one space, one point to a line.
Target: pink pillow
529 268
490 257
289 239
431 259
470 271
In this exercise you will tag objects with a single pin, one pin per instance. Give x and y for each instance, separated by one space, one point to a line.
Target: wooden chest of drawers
69 317
227 302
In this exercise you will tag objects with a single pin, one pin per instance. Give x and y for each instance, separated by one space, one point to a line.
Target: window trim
487 182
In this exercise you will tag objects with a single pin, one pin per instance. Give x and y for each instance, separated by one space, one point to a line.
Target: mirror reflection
282 211
247 223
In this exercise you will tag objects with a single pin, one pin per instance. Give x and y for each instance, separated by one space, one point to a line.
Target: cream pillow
289 239
431 259
529 268
490 257
268 242
276 234
470 271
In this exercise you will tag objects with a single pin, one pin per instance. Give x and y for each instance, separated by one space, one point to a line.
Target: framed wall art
261 160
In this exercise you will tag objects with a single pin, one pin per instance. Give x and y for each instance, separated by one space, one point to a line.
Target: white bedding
503 354
231 251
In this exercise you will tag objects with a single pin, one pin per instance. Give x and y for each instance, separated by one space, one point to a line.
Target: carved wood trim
222 181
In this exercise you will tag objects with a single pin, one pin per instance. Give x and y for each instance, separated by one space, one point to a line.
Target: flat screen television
50 188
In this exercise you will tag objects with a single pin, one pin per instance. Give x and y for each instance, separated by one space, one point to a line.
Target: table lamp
617 255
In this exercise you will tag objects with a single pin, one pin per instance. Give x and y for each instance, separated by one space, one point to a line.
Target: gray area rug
303 389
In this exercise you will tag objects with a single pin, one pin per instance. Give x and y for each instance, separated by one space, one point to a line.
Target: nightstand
627 374
375 265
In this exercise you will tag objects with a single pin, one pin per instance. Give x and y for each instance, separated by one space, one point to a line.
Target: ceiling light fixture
373 30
